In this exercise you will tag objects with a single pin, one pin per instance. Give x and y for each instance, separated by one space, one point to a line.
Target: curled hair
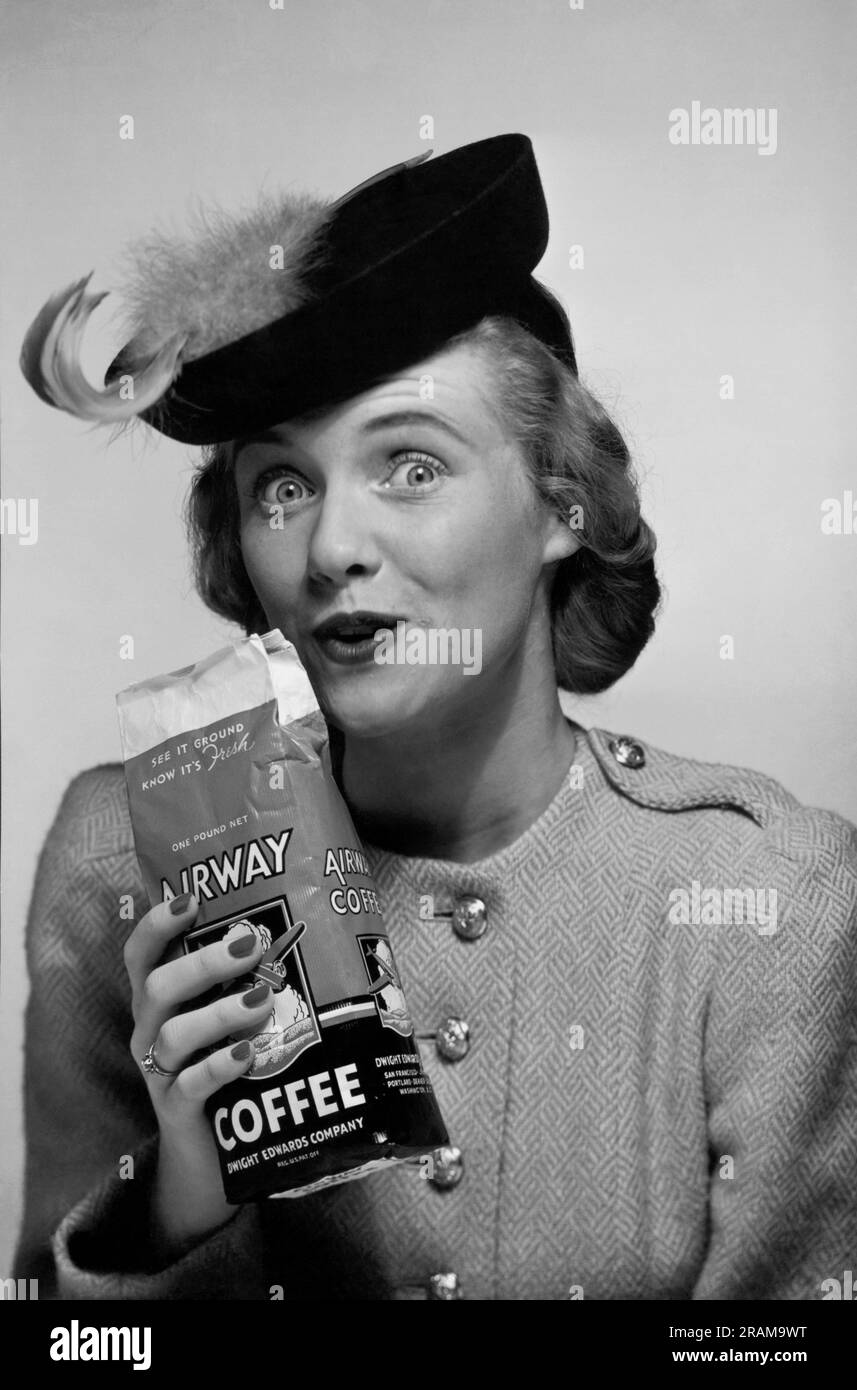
603 598
213 525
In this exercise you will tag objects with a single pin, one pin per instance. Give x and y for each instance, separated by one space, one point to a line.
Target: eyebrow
373 426
412 417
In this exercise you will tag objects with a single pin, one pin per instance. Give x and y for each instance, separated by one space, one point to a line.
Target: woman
633 974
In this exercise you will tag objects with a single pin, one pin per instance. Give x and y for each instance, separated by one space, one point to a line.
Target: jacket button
452 1039
469 918
627 752
447 1166
444 1286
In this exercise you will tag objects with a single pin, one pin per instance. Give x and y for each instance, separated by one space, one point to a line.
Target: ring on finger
149 1063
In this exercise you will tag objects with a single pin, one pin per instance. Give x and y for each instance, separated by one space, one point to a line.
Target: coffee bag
232 798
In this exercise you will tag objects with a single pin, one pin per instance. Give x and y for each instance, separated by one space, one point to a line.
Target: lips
356 626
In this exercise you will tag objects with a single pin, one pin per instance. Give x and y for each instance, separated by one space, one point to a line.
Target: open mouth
348 637
355 627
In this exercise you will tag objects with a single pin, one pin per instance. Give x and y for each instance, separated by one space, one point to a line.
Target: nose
343 542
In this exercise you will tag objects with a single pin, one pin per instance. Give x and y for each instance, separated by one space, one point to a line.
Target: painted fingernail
243 945
179 905
255 996
241 1051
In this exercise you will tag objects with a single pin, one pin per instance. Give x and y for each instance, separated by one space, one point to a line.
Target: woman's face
410 503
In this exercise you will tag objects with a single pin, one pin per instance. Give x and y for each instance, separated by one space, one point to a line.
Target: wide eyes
418 468
279 487
282 486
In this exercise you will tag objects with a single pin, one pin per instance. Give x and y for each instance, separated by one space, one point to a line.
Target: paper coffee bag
233 799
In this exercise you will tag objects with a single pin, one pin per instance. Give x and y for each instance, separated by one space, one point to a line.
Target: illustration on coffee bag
385 984
293 1024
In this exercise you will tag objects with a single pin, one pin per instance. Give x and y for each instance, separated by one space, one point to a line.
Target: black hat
302 303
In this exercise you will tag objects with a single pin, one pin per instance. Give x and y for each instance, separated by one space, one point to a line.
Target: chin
369 703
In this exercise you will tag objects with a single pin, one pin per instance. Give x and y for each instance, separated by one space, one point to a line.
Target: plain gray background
699 261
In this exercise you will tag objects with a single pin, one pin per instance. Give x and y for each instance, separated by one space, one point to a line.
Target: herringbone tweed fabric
596 1162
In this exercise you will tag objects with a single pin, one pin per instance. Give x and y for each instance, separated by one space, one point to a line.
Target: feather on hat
208 288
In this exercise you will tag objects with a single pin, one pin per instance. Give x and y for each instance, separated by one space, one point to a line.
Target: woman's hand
188 1193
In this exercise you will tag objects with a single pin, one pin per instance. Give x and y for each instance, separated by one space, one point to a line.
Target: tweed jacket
657 1102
